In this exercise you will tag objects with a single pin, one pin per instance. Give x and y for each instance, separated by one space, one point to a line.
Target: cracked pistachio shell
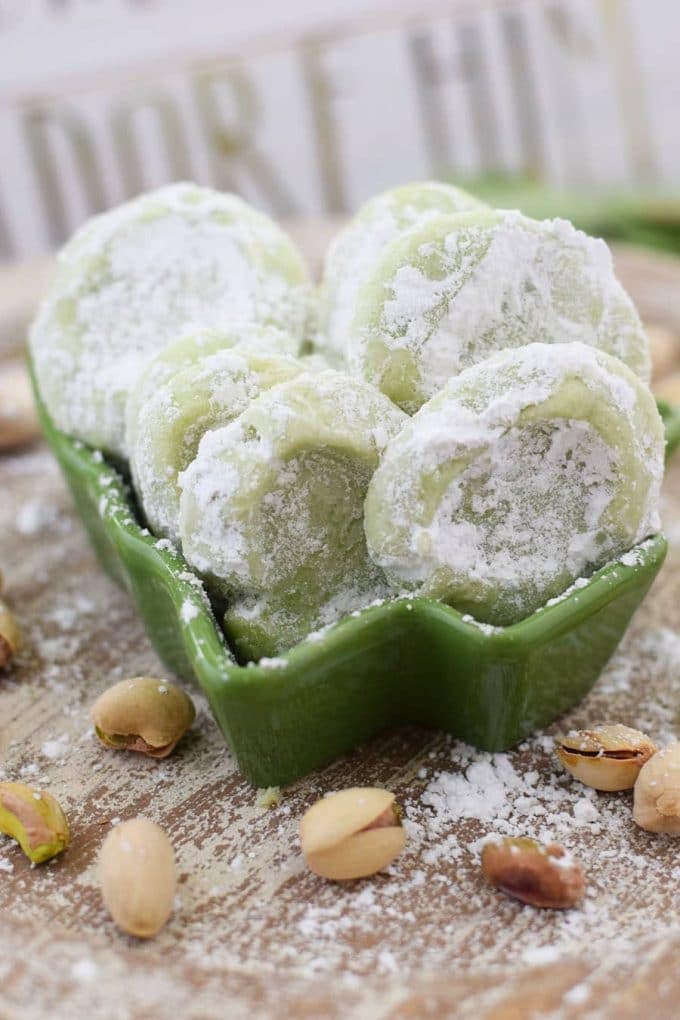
10 635
656 800
540 875
143 714
352 834
607 757
34 819
138 876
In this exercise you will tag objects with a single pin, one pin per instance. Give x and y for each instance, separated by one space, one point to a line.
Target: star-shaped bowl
406 661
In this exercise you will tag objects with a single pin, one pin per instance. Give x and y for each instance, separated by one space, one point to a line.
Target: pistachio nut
143 714
656 798
34 819
353 833
18 418
10 635
606 757
540 875
138 876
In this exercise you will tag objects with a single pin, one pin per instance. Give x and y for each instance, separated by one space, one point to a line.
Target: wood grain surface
253 933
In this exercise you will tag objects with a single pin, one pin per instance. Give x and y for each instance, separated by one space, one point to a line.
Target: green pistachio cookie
170 411
271 511
453 291
186 351
526 472
354 252
132 280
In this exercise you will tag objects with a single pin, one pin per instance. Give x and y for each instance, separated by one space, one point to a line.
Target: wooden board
254 934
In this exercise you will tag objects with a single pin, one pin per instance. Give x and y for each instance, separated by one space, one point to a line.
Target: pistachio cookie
271 512
526 472
170 411
355 251
134 279
453 291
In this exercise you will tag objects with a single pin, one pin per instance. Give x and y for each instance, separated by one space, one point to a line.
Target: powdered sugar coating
190 348
132 280
167 419
272 508
355 251
452 292
525 472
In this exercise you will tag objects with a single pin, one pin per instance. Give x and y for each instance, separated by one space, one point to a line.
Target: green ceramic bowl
411 661
671 420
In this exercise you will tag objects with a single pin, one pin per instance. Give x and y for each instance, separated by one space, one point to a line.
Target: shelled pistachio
540 875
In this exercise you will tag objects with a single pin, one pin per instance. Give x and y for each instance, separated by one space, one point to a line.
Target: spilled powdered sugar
250 914
456 799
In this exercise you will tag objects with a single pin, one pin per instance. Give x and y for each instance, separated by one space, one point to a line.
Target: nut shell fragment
352 834
138 876
143 714
607 757
542 876
10 635
34 819
656 800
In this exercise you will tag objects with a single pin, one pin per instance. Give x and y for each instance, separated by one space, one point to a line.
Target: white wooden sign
307 108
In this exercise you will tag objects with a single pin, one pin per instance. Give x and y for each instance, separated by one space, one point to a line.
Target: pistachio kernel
656 798
10 636
138 876
540 875
143 714
34 819
352 834
607 757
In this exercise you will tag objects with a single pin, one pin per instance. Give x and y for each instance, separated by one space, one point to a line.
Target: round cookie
167 420
357 248
525 472
450 293
133 279
271 510
187 350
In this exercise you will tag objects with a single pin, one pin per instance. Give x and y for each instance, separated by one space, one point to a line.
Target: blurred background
554 106
307 108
